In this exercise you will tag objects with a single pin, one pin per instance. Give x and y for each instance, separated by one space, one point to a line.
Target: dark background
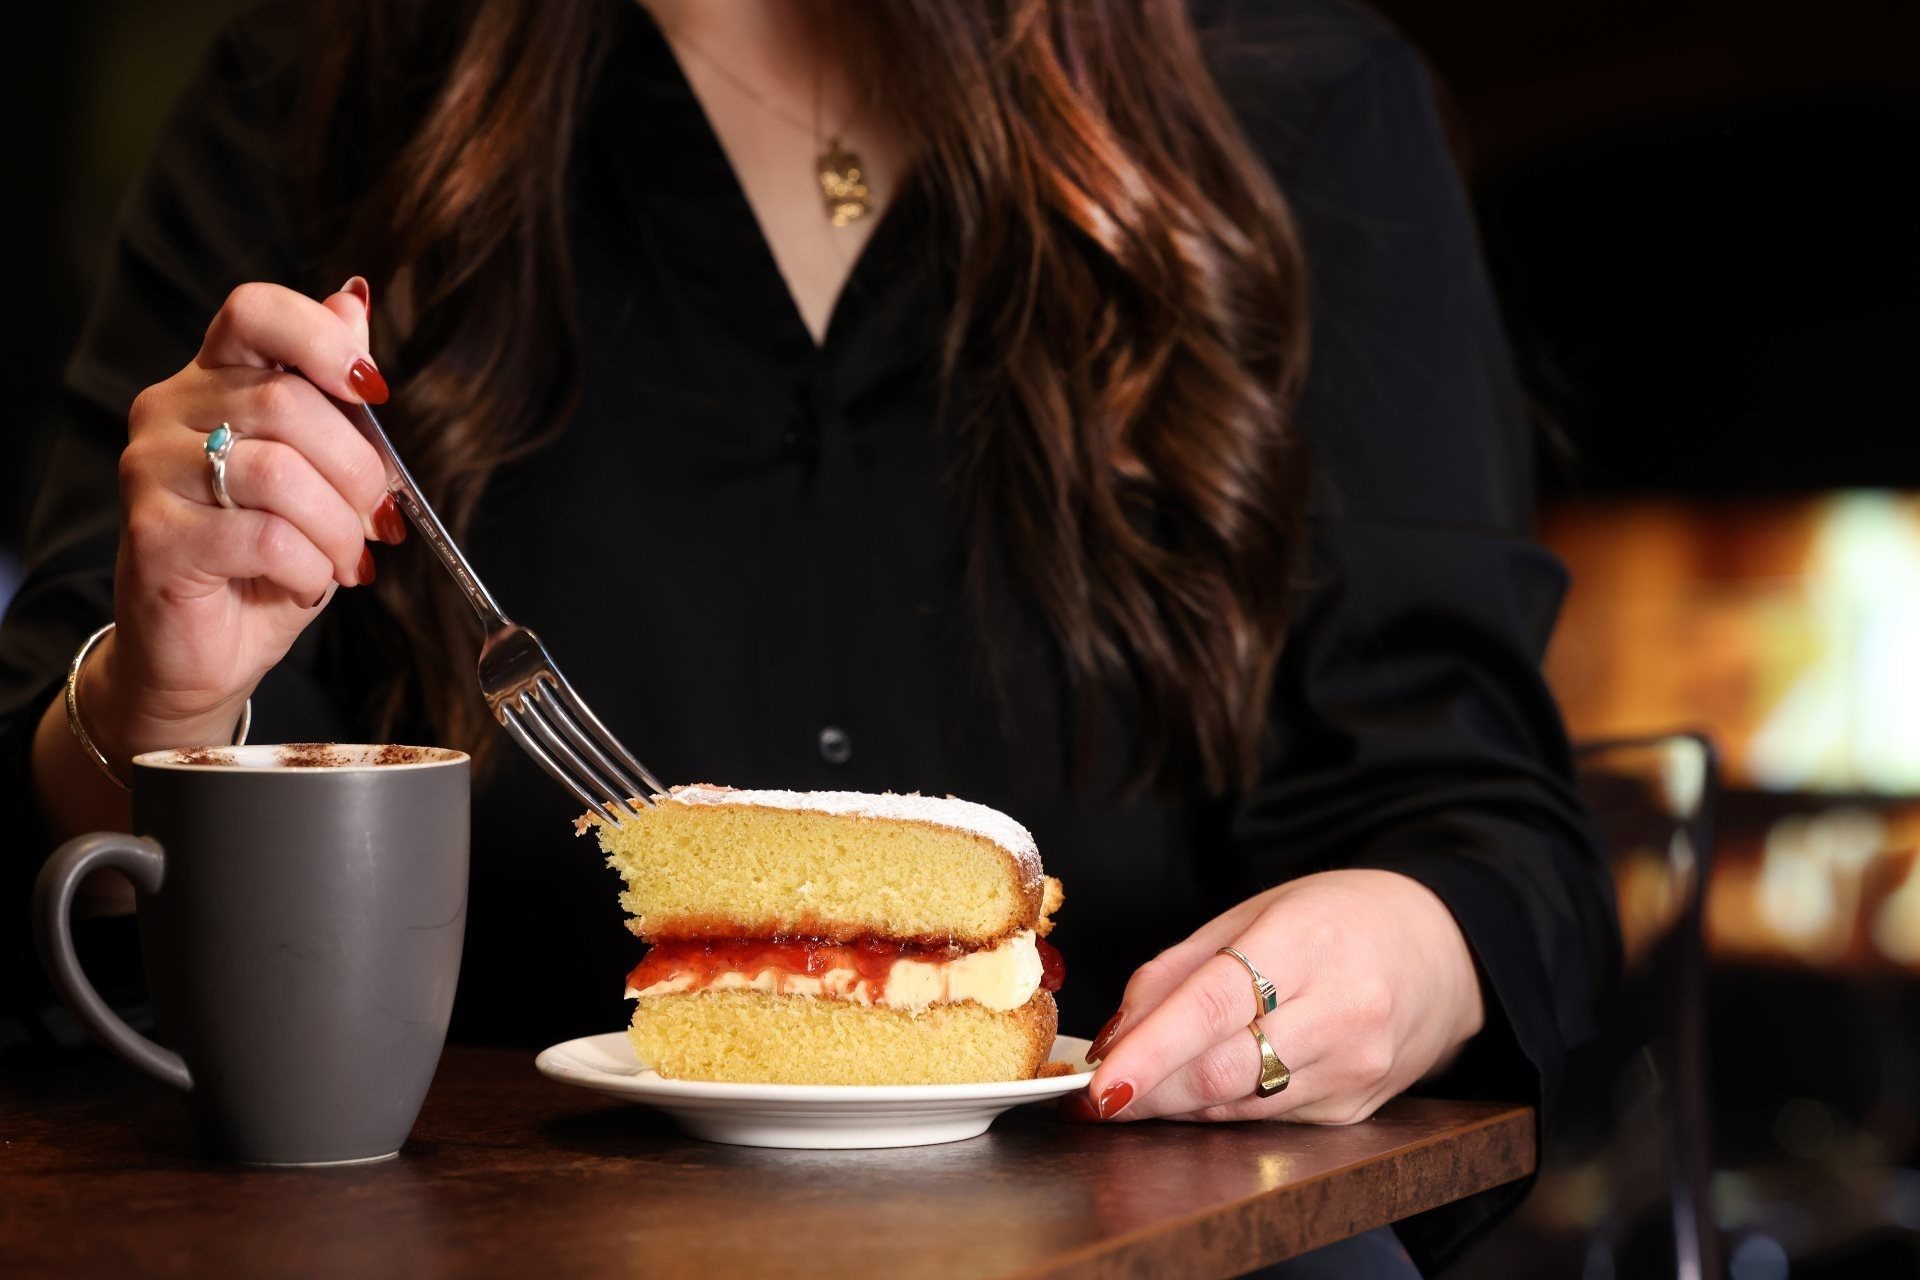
1704 219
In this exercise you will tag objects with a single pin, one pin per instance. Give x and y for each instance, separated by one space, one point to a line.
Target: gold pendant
842 184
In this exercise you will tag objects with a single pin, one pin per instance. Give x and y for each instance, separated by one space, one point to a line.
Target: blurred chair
1623 1185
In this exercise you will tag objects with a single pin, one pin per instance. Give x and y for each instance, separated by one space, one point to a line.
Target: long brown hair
1127 338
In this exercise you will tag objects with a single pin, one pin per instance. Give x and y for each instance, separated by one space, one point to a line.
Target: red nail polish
1104 1041
367 382
357 286
366 566
388 523
1115 1100
1076 1108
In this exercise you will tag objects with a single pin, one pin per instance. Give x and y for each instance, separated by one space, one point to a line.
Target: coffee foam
293 756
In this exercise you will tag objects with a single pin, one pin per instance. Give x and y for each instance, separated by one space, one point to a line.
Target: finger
1215 1001
263 325
266 475
266 404
247 545
353 302
292 411
1159 977
1077 1108
1225 1074
1298 1106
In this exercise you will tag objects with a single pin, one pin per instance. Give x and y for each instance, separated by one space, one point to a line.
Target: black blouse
743 549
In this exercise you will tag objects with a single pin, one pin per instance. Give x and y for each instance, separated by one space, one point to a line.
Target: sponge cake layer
712 862
751 1037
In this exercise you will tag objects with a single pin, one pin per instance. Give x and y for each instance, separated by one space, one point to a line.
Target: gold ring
1264 992
1274 1075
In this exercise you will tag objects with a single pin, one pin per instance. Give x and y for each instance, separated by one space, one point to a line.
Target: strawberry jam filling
1053 965
872 959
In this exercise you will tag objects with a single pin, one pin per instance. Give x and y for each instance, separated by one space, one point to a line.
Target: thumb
352 303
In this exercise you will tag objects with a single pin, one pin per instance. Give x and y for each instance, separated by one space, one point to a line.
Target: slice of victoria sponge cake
836 937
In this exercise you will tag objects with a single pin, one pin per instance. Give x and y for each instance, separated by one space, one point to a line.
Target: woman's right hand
207 599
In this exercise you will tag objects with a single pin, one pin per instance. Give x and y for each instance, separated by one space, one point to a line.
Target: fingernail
366 566
1104 1041
1115 1100
1075 1108
388 523
357 286
318 600
367 382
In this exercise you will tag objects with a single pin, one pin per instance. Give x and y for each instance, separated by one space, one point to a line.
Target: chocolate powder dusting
395 754
206 755
312 755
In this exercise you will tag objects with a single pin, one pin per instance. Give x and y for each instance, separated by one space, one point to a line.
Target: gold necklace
842 176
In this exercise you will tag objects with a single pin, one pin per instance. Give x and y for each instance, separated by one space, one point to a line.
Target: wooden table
511 1174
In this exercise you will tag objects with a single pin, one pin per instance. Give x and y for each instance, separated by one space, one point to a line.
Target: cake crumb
1051 896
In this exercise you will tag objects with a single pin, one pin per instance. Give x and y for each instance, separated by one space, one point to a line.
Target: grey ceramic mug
301 915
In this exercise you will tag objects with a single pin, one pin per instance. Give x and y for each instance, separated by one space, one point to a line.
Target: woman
879 396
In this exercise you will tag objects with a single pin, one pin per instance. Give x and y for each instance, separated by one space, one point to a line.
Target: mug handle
145 863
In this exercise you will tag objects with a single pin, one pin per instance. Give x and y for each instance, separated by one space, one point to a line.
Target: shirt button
835 746
802 436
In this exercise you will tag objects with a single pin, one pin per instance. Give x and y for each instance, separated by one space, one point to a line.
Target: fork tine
531 745
555 741
579 708
550 691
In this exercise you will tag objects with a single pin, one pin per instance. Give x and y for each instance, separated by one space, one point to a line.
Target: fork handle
407 497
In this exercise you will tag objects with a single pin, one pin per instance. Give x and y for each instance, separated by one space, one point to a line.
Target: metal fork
519 679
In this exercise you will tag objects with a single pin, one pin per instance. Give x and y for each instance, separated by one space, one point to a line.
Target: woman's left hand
1377 989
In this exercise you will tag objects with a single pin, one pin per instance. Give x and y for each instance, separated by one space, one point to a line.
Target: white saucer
817 1116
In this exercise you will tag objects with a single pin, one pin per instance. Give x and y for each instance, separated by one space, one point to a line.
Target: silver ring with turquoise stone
220 442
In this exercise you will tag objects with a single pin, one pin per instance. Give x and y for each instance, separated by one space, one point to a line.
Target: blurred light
1787 626
1650 900
1848 837
1805 1128
1683 776
1276 1171
1903 1198
1896 925
10 573
1810 873
1796 893
1847 720
1758 1258
1734 1200
1598 1264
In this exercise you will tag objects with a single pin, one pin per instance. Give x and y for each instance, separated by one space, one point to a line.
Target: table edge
1089 1261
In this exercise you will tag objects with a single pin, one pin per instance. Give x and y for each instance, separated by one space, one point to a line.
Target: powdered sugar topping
938 811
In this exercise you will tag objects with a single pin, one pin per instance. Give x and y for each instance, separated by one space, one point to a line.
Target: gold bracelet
85 739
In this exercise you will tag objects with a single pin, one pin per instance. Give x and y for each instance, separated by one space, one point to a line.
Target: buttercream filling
1001 977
